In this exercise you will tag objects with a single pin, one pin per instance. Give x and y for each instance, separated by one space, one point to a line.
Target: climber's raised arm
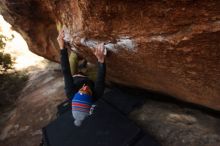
70 90
100 81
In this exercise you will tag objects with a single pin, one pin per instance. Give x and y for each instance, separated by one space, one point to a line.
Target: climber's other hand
99 52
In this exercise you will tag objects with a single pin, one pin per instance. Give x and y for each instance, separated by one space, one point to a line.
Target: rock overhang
166 46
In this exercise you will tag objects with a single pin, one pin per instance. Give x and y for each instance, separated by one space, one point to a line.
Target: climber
79 89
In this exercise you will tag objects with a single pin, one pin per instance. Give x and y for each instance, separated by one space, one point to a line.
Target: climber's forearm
68 80
100 81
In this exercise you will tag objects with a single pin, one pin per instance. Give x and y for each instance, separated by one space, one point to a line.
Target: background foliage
6 61
11 81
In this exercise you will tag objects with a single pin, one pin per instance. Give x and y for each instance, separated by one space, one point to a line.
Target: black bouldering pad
146 140
63 107
105 127
122 101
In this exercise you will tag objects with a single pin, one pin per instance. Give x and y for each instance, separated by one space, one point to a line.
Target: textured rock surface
175 125
170 46
34 109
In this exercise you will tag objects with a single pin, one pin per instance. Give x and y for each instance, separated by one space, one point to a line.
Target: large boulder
170 46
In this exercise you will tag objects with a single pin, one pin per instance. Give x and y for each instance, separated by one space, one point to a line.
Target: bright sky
18 48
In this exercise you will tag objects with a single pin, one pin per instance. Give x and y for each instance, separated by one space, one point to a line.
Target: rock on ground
178 125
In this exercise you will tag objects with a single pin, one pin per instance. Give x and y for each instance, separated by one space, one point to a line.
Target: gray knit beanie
79 117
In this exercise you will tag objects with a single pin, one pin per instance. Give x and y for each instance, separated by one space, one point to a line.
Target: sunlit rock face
170 46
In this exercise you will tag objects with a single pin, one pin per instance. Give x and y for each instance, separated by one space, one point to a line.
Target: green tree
11 83
6 61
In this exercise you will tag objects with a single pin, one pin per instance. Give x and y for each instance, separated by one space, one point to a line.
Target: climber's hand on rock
99 52
60 39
